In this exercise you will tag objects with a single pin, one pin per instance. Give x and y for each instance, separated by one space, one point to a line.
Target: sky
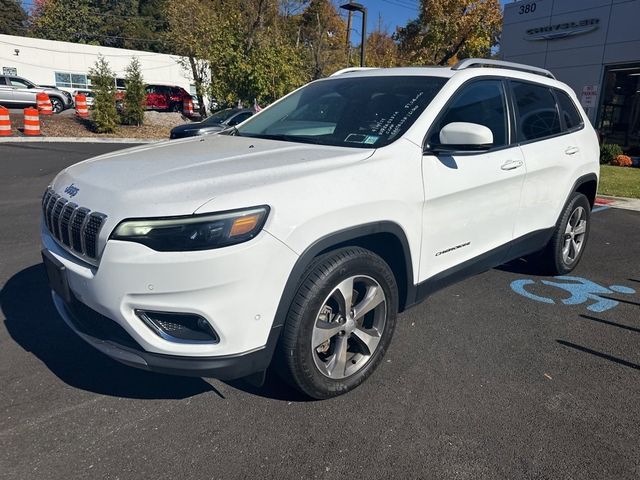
393 13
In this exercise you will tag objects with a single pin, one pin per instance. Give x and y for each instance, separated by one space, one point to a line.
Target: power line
401 4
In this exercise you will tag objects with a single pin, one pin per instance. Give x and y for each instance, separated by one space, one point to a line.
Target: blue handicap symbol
581 290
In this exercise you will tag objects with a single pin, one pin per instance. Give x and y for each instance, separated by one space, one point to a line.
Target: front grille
77 228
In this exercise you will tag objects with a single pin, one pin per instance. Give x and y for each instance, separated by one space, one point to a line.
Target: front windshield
219 117
364 112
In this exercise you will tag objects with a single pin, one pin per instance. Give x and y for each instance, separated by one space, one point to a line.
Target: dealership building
592 45
66 65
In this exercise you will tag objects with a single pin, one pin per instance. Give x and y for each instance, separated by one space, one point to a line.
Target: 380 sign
528 8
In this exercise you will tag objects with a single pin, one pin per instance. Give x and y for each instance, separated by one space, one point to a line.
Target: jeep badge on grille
71 190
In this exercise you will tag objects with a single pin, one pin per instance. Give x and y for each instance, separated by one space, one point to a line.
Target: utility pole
348 45
357 7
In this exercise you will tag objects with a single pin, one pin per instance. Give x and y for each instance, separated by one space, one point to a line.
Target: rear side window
537 111
483 103
570 115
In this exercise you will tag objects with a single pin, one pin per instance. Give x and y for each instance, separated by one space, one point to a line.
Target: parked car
216 123
17 91
303 232
166 97
88 94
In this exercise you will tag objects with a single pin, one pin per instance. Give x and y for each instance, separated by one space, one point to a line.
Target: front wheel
340 323
56 105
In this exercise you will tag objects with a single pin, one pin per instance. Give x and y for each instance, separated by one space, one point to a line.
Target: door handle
511 164
571 150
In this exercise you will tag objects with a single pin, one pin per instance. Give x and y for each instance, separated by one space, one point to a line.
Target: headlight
194 232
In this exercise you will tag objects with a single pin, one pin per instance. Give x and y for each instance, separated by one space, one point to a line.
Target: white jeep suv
299 235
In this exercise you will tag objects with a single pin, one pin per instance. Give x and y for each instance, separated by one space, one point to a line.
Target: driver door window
482 102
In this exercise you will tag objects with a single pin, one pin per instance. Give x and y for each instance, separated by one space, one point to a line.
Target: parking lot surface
495 377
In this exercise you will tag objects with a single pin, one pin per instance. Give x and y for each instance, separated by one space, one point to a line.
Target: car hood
176 177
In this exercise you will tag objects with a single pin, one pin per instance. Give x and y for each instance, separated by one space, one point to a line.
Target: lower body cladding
206 313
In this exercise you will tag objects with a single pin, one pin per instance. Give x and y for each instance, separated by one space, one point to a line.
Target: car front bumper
236 289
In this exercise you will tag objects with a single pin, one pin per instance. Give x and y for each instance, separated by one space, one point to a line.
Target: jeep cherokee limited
299 235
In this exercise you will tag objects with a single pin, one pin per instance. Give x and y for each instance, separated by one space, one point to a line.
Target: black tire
551 259
57 105
297 360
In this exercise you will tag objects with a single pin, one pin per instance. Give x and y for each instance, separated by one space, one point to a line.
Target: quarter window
18 83
537 112
572 119
482 102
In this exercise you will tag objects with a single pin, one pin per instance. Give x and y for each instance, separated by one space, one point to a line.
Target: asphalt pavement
495 377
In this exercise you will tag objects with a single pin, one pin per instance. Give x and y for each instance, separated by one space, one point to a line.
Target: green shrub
103 83
134 96
609 151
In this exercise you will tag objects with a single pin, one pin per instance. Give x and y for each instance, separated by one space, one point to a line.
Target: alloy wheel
574 235
349 326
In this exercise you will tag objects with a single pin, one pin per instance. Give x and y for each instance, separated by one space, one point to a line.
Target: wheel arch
588 186
386 239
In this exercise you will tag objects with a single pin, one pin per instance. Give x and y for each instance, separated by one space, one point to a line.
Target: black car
217 122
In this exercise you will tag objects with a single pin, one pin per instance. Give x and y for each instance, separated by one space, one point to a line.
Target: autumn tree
63 20
322 33
13 18
382 50
448 30
136 24
234 49
206 39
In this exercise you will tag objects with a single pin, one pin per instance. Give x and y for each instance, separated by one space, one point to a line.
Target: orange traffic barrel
44 104
31 121
187 107
5 122
81 105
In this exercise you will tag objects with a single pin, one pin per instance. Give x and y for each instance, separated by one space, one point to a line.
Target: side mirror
463 137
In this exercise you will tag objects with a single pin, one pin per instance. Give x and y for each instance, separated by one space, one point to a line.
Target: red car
166 97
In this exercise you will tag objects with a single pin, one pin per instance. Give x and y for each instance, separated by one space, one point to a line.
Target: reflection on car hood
176 177
194 127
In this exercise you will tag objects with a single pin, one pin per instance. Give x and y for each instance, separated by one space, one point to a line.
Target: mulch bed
68 125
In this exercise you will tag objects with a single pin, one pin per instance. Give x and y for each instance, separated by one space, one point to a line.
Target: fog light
174 326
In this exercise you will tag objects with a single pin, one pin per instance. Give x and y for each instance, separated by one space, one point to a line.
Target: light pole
358 7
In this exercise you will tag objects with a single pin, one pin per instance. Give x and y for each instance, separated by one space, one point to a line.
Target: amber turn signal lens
244 225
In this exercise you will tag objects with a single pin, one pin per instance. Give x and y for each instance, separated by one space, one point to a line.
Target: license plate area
57 274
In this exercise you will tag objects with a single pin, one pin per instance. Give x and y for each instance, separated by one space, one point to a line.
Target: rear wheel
564 251
340 323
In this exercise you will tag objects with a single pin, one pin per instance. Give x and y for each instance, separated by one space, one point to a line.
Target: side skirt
525 245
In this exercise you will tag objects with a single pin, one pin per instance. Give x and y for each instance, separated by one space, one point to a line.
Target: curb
77 140
619 202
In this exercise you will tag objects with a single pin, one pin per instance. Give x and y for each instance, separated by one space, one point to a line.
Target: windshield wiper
231 131
285 138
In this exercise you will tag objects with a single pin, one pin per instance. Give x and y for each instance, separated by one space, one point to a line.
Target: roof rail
483 62
351 69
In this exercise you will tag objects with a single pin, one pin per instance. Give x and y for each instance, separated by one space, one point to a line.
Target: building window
620 111
71 80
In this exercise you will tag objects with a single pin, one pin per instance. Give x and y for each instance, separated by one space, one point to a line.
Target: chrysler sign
562 30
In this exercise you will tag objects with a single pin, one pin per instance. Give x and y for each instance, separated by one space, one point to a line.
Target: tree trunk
197 78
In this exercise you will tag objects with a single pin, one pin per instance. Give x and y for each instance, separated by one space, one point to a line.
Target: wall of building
39 60
575 39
